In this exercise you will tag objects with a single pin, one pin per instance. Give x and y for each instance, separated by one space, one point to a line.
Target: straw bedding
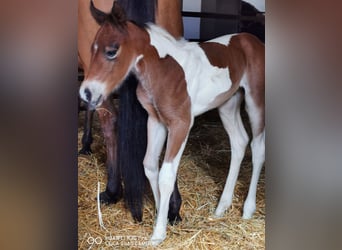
201 177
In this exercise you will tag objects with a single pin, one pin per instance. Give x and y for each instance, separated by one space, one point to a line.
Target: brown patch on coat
244 54
164 95
229 56
255 52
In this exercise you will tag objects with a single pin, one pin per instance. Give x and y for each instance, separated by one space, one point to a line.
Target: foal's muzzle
92 93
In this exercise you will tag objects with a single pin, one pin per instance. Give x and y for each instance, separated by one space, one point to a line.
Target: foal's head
113 55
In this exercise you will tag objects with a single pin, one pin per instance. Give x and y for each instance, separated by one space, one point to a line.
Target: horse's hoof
85 151
248 210
219 212
107 198
155 241
247 214
214 217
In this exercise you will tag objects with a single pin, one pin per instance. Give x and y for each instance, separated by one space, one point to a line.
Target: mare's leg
156 135
177 137
107 116
87 137
256 117
231 119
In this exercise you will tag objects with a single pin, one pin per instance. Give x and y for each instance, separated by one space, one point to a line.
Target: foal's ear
98 15
118 14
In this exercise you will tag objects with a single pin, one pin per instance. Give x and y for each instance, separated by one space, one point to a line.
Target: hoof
247 215
218 214
85 151
155 241
214 217
108 198
248 209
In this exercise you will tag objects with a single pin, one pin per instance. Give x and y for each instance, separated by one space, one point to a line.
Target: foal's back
213 70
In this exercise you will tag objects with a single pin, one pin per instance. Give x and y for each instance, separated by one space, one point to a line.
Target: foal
126 141
178 81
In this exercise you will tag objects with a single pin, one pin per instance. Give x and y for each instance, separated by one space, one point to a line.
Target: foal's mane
165 40
160 31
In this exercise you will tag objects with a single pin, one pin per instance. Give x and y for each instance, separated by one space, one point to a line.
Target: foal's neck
153 69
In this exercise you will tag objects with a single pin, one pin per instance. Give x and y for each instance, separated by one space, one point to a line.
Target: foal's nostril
87 94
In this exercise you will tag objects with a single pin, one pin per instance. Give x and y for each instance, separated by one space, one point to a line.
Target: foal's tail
132 141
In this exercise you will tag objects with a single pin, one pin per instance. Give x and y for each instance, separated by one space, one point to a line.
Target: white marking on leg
167 179
156 135
255 114
231 119
258 159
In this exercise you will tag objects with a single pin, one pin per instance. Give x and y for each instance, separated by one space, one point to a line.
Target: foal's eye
111 53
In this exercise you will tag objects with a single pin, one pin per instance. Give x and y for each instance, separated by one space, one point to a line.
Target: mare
256 27
125 140
178 81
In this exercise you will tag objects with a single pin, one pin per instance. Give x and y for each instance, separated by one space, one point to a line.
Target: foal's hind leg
258 158
231 119
256 117
156 135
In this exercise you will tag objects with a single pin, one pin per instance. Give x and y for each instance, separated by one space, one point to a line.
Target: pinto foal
178 81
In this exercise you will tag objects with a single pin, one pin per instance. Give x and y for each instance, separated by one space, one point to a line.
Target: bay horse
125 141
178 81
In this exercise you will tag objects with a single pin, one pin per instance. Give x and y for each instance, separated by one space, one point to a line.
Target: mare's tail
132 121
132 141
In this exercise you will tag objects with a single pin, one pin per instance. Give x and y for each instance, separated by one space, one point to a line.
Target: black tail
132 140
132 122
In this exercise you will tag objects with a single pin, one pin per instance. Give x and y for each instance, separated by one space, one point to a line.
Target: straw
201 178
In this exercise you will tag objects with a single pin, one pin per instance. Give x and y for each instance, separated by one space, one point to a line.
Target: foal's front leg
177 137
156 135
156 139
